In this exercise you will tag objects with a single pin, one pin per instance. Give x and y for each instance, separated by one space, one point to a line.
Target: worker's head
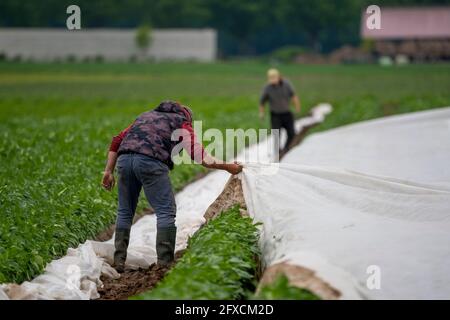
273 76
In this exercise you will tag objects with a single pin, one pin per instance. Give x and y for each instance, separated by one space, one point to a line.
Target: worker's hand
234 168
108 181
261 115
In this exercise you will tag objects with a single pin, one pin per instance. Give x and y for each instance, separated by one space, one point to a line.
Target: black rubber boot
165 245
121 240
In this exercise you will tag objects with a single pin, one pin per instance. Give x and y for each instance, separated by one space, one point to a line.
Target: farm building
420 33
107 44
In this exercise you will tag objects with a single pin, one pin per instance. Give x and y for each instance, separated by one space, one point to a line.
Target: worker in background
143 152
279 93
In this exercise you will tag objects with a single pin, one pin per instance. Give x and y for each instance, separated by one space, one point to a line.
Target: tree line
245 27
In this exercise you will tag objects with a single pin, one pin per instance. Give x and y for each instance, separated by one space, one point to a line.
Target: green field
57 120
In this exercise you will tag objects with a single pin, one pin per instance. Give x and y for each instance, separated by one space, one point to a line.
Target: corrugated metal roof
410 23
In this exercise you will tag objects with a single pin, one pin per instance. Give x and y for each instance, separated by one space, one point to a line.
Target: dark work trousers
283 120
136 172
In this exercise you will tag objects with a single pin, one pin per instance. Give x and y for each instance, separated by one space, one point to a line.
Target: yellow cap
273 75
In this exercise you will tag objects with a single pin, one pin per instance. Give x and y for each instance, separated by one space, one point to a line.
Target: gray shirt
278 96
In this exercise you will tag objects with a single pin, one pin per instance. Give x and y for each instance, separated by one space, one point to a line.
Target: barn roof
410 23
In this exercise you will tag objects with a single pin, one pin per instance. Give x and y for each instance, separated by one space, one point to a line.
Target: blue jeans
137 171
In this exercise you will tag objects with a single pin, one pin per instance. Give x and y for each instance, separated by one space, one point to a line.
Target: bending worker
279 93
144 157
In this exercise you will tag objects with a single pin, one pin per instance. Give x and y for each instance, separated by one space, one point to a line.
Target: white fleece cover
376 193
77 275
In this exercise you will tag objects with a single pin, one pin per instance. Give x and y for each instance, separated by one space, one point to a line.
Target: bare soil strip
133 282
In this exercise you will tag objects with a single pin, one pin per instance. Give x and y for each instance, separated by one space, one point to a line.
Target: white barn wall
110 44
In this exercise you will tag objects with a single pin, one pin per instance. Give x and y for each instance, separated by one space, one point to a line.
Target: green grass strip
220 262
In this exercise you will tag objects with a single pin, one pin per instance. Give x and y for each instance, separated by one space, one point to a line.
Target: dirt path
133 282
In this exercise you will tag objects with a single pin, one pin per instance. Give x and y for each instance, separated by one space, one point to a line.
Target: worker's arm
294 98
261 111
108 175
214 163
297 103
197 153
